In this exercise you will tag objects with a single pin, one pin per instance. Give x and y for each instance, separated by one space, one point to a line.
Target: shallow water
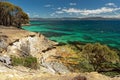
105 32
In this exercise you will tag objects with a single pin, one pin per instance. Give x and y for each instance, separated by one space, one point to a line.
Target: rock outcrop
20 43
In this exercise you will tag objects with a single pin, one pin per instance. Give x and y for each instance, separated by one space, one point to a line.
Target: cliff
21 43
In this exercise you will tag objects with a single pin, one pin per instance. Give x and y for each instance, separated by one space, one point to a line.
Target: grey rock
5 59
59 67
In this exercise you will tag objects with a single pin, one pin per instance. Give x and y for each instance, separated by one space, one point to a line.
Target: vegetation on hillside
11 15
99 55
90 57
27 61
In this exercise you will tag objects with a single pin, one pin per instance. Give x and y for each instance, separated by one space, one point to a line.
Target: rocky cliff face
22 43
30 45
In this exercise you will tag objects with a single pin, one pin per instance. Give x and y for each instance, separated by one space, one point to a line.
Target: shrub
28 61
98 54
16 61
85 66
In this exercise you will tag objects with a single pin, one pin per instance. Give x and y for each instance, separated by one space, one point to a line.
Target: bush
89 57
85 66
98 54
28 61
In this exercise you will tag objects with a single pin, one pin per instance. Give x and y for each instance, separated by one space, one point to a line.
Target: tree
11 15
98 55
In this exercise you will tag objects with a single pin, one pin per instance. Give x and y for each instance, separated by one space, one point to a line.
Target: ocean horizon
85 31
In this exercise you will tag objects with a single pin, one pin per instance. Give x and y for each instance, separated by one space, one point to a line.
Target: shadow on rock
79 77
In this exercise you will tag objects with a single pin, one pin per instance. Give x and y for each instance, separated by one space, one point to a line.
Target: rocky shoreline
18 42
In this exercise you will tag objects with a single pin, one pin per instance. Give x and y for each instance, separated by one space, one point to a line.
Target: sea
85 31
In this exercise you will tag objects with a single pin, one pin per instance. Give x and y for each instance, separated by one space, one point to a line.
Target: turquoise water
104 32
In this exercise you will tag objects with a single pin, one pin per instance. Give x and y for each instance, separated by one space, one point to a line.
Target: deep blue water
105 32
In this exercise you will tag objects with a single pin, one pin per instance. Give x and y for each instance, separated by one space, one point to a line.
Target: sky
69 8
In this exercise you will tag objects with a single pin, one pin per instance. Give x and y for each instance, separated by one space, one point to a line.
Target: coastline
104 33
26 24
59 46
17 36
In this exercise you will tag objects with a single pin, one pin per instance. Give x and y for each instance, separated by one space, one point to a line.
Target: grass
28 61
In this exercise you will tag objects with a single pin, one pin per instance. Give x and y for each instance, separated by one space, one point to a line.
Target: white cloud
72 4
115 15
59 12
48 5
59 8
36 15
88 11
111 4
112 16
52 14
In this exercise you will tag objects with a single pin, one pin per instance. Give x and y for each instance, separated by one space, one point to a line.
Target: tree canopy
11 15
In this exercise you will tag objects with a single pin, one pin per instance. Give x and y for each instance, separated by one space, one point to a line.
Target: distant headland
74 18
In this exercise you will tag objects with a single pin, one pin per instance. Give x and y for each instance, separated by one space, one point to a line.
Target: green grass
28 61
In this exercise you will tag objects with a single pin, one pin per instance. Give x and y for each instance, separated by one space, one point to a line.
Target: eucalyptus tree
12 15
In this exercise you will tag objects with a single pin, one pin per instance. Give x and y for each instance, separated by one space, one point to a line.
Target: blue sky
69 8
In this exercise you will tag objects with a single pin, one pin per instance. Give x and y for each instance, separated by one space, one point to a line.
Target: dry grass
13 33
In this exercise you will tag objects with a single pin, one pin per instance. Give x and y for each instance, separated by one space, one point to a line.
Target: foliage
89 57
112 74
84 66
28 61
11 15
98 54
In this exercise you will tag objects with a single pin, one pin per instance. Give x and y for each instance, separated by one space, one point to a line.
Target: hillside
20 43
